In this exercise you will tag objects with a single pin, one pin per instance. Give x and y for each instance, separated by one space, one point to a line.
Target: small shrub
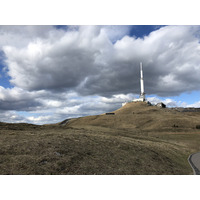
197 126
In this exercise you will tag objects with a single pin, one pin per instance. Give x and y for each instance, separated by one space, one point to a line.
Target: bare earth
137 139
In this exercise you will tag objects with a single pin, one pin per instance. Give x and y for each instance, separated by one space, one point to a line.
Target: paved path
194 161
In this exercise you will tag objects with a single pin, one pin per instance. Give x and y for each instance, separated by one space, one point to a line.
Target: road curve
194 160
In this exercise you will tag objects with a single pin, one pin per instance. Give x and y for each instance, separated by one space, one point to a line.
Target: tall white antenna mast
142 94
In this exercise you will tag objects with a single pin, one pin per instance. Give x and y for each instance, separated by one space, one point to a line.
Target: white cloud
93 69
20 36
170 102
46 64
118 98
195 104
12 117
40 119
85 60
115 33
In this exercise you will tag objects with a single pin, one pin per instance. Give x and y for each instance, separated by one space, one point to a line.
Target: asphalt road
194 161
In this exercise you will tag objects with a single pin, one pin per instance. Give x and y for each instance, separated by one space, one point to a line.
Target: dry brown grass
56 150
138 115
138 139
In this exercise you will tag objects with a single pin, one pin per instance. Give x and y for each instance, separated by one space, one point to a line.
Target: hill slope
137 139
140 115
171 133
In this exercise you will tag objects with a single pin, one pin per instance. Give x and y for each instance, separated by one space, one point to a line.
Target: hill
142 116
135 139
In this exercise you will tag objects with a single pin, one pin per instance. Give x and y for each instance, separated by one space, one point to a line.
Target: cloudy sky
50 73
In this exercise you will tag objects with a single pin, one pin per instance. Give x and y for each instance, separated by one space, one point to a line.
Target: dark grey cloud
170 62
84 70
18 99
85 60
11 117
21 36
63 63
21 105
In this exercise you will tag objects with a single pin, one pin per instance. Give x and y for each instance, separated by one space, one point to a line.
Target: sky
51 73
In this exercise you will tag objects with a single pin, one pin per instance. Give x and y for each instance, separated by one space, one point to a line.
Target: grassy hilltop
137 139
